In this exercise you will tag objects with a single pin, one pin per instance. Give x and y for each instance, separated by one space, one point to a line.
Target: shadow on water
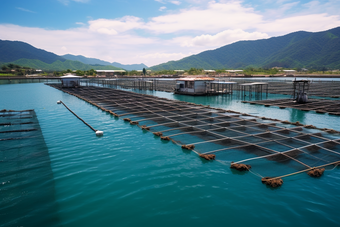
27 183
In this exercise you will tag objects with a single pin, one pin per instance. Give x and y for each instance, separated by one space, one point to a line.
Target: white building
234 70
105 73
289 71
70 81
193 85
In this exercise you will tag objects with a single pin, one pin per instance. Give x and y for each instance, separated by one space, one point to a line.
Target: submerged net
26 176
269 147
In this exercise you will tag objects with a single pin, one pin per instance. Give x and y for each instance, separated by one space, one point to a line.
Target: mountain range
298 49
94 61
295 50
24 54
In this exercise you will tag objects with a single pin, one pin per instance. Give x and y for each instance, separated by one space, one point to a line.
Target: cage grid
24 164
318 105
239 139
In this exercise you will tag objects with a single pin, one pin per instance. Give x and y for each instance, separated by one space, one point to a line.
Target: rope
78 117
302 171
180 114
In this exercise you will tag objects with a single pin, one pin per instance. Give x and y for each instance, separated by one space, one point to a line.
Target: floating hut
70 81
193 86
203 86
256 88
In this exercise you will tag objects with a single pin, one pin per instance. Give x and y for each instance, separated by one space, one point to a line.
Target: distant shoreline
217 76
297 75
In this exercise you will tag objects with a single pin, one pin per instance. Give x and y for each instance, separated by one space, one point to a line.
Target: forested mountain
24 54
298 49
94 61
295 50
59 65
14 50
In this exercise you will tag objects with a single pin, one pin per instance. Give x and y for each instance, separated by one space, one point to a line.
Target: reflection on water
26 178
234 102
297 115
131 178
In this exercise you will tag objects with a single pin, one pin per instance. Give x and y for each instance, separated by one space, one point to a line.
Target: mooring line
99 133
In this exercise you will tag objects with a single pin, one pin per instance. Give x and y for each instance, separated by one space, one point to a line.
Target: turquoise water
233 102
131 178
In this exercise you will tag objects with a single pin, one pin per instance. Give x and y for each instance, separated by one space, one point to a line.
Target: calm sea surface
131 178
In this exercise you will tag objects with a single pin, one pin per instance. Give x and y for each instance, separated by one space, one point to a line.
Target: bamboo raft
269 148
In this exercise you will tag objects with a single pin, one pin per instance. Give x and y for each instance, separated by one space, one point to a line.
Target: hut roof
70 76
196 78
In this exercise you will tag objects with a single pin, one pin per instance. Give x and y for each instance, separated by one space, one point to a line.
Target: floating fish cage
318 105
24 164
269 148
316 88
132 83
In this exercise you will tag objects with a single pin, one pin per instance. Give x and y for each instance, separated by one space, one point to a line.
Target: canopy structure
70 80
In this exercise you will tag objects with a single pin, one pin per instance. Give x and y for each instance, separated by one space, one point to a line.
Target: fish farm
244 86
318 105
25 164
269 148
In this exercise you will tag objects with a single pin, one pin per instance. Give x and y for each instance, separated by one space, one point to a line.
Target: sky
156 31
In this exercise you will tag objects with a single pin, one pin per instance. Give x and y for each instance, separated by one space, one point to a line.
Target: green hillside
94 61
14 50
59 65
23 54
298 49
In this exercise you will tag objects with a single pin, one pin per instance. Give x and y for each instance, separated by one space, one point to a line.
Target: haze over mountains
94 61
295 50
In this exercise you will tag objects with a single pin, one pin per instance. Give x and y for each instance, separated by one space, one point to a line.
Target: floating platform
316 88
272 149
318 105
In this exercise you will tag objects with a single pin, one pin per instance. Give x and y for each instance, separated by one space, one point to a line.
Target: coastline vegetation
11 69
15 70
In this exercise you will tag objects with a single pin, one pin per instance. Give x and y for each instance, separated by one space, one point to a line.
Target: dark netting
25 166
268 147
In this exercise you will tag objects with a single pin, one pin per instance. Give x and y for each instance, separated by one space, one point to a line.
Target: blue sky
156 31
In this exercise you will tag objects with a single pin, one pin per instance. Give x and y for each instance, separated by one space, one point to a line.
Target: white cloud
81 41
186 31
311 23
113 27
25 10
224 38
161 57
217 17
66 2
176 2
311 4
281 11
81 1
162 8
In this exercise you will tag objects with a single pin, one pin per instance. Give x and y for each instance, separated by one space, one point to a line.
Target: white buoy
99 133
59 102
